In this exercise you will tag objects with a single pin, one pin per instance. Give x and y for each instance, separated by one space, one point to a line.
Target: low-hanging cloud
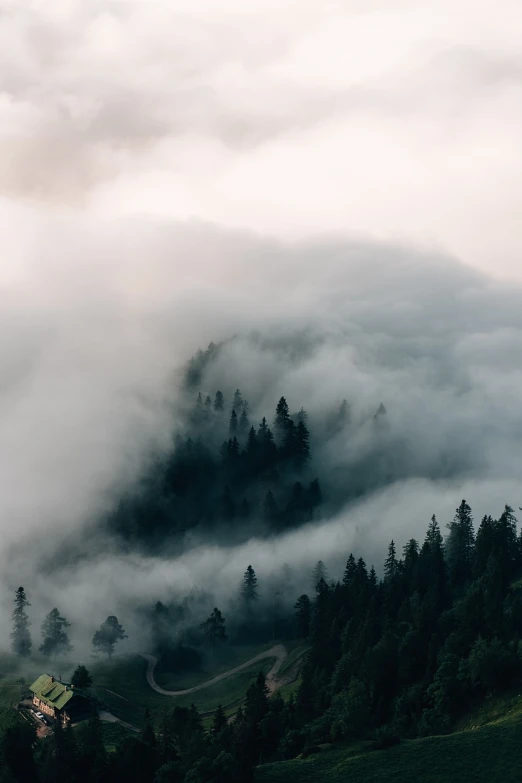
100 323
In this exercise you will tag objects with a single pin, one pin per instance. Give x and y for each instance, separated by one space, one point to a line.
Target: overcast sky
396 119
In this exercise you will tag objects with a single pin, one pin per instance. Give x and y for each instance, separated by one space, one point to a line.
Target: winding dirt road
279 652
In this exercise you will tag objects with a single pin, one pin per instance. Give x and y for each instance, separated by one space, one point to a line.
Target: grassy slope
486 749
125 677
226 657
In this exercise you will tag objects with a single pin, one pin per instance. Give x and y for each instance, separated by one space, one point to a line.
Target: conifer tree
302 446
232 427
460 545
349 571
282 417
81 678
319 573
214 629
237 402
391 564
21 637
243 422
208 402
55 639
219 402
249 587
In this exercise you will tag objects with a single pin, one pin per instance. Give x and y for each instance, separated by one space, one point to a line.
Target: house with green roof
59 700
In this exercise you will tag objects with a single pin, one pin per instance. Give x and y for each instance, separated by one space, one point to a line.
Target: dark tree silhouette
21 637
214 629
81 677
219 402
249 587
55 639
107 635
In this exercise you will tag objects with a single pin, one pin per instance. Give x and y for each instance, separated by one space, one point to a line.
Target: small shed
59 700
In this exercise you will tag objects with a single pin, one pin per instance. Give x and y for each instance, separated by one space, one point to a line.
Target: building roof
52 692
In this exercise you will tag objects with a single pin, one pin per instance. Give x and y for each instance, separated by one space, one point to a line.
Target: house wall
43 707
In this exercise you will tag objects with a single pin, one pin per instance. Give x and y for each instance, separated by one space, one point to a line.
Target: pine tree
289 444
460 545
219 402
214 629
249 587
81 678
232 427
21 637
302 446
391 564
237 402
55 640
208 402
282 418
243 422
302 416
319 572
303 616
349 571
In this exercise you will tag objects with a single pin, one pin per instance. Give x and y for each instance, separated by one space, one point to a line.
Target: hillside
483 752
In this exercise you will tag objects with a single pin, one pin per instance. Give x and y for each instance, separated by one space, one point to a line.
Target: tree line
55 638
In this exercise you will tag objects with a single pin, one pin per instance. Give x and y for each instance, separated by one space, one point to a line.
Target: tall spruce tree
302 445
237 401
282 417
232 427
219 402
460 546
243 422
21 637
249 588
391 564
319 573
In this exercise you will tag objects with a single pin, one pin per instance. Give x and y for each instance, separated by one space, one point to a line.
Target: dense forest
232 472
226 471
391 658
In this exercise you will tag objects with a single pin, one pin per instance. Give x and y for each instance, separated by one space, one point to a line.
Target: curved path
278 652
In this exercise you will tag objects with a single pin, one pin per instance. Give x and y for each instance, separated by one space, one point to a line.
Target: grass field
121 685
488 749
226 658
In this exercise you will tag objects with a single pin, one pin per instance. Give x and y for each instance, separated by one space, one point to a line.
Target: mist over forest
336 328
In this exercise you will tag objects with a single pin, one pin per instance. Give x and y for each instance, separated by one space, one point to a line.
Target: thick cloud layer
97 332
149 154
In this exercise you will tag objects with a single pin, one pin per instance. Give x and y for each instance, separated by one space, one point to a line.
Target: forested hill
227 470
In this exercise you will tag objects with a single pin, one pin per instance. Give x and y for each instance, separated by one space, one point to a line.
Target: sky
400 120
178 172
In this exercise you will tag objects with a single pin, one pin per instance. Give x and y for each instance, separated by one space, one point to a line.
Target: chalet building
59 700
